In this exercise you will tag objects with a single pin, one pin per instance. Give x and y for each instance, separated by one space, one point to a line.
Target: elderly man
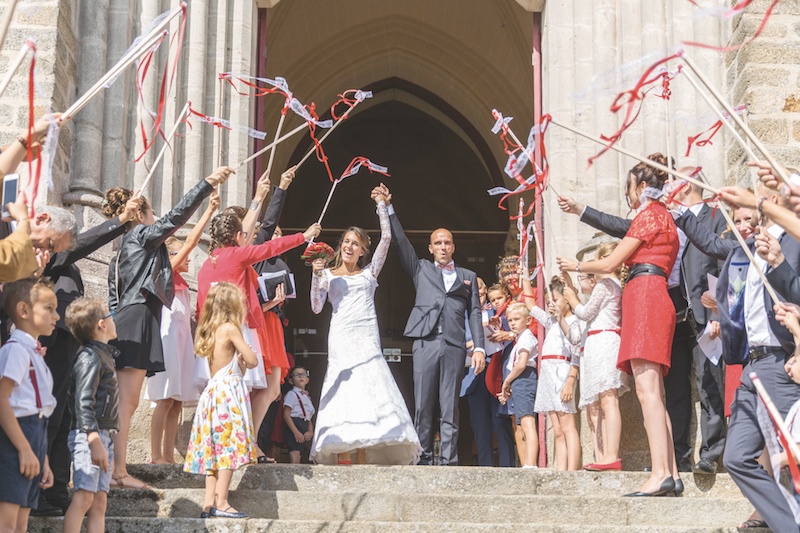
445 294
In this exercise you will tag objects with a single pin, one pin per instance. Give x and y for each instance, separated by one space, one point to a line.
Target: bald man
445 294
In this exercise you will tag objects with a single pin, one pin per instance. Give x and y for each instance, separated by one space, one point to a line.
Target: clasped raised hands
381 194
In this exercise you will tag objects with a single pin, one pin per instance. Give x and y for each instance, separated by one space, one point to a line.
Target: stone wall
765 75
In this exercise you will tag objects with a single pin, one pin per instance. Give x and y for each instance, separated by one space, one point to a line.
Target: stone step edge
191 525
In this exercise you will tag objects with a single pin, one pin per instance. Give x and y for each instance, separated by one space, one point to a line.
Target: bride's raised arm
382 250
319 286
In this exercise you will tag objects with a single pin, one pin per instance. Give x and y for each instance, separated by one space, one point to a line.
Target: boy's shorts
523 390
302 426
86 475
14 487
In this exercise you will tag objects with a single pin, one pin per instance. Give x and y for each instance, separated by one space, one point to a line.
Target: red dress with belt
648 315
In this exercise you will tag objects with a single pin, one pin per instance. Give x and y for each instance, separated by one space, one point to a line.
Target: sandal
263 459
752 523
120 483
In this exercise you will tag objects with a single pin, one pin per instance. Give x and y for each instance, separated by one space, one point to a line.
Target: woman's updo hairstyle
224 228
235 210
643 173
113 204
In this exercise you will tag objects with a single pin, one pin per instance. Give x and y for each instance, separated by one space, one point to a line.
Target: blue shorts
16 488
523 390
302 426
86 475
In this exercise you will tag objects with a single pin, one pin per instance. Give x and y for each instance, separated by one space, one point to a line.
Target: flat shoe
667 487
214 512
752 523
616 465
205 514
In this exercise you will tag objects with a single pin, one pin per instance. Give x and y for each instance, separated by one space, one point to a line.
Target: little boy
95 401
26 400
297 413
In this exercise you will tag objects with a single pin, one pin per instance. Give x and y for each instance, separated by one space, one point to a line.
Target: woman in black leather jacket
139 283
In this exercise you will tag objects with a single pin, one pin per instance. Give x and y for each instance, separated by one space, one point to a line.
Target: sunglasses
111 314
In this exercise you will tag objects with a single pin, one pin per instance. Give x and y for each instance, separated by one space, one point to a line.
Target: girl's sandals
128 482
752 523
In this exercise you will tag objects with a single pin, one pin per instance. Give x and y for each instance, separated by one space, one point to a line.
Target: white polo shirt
18 357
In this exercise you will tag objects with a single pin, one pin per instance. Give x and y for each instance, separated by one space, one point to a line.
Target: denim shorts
523 390
86 475
16 488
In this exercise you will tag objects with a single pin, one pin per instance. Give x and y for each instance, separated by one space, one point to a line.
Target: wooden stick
644 160
747 131
776 415
160 155
341 119
272 152
7 16
99 86
540 261
14 66
298 129
328 201
218 131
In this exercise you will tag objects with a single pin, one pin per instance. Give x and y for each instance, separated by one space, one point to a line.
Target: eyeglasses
111 314
585 277
300 375
173 253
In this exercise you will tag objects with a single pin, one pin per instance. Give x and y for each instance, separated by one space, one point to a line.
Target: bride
361 407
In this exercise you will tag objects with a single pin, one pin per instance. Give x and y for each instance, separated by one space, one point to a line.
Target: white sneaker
529 466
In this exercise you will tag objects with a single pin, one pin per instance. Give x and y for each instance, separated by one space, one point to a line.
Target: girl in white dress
171 388
361 407
601 382
558 371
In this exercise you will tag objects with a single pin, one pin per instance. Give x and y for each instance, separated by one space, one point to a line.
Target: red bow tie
41 350
450 267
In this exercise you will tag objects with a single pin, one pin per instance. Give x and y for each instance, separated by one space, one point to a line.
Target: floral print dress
222 432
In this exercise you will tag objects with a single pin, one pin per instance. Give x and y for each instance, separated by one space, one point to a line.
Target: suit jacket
784 279
434 305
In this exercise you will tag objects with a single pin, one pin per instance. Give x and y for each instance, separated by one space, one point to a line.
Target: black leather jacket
95 396
144 266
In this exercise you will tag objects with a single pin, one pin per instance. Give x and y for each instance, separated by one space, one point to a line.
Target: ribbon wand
322 139
738 121
784 435
274 143
160 155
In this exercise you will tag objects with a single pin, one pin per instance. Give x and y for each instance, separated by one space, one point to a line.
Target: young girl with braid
141 283
231 259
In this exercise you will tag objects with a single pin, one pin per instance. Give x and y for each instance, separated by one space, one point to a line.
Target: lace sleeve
542 317
319 291
596 302
379 257
575 333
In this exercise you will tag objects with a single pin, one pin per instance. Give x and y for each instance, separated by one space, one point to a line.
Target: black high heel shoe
667 487
678 492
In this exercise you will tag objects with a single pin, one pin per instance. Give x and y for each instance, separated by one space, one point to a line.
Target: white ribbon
297 106
501 121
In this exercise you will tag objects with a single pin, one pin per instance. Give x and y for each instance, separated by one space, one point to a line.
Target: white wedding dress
361 406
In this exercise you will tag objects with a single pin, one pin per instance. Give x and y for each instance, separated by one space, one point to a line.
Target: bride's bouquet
317 250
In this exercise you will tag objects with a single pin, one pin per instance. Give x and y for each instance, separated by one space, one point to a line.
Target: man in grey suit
445 294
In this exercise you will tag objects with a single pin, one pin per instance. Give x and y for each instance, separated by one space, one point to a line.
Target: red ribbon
541 173
166 83
628 99
360 161
33 176
693 139
735 10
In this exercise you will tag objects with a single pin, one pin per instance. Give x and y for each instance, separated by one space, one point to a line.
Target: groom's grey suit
437 326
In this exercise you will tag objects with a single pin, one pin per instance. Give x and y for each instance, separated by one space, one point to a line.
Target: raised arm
381 251
253 253
193 239
155 234
614 226
599 297
541 316
408 257
275 207
319 286
705 239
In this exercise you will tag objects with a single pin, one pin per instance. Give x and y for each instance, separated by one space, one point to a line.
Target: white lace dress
553 372
360 406
603 317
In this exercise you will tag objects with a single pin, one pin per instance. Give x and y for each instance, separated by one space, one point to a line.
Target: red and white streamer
352 169
228 125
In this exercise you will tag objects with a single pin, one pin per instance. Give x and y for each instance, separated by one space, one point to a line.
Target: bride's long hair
363 239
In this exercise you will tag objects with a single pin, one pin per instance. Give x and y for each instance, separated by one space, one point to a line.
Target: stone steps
356 499
194 525
419 479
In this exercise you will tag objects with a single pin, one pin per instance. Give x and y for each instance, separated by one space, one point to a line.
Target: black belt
645 269
758 352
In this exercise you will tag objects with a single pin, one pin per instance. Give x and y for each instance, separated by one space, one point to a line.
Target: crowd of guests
631 316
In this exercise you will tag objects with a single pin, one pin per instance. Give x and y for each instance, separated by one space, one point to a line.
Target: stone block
770 131
770 76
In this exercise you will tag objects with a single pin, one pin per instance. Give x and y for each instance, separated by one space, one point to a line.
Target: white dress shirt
16 358
755 314
300 403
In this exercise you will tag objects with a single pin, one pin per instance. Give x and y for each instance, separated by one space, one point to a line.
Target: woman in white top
361 407
601 382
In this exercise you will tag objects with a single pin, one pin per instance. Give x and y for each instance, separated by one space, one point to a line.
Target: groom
446 293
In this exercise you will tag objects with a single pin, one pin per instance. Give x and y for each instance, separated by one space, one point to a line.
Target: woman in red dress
649 249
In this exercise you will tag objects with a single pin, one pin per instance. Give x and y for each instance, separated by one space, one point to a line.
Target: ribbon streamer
352 169
735 10
228 125
33 177
712 131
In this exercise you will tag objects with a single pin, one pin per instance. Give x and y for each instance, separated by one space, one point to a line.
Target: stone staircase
361 499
